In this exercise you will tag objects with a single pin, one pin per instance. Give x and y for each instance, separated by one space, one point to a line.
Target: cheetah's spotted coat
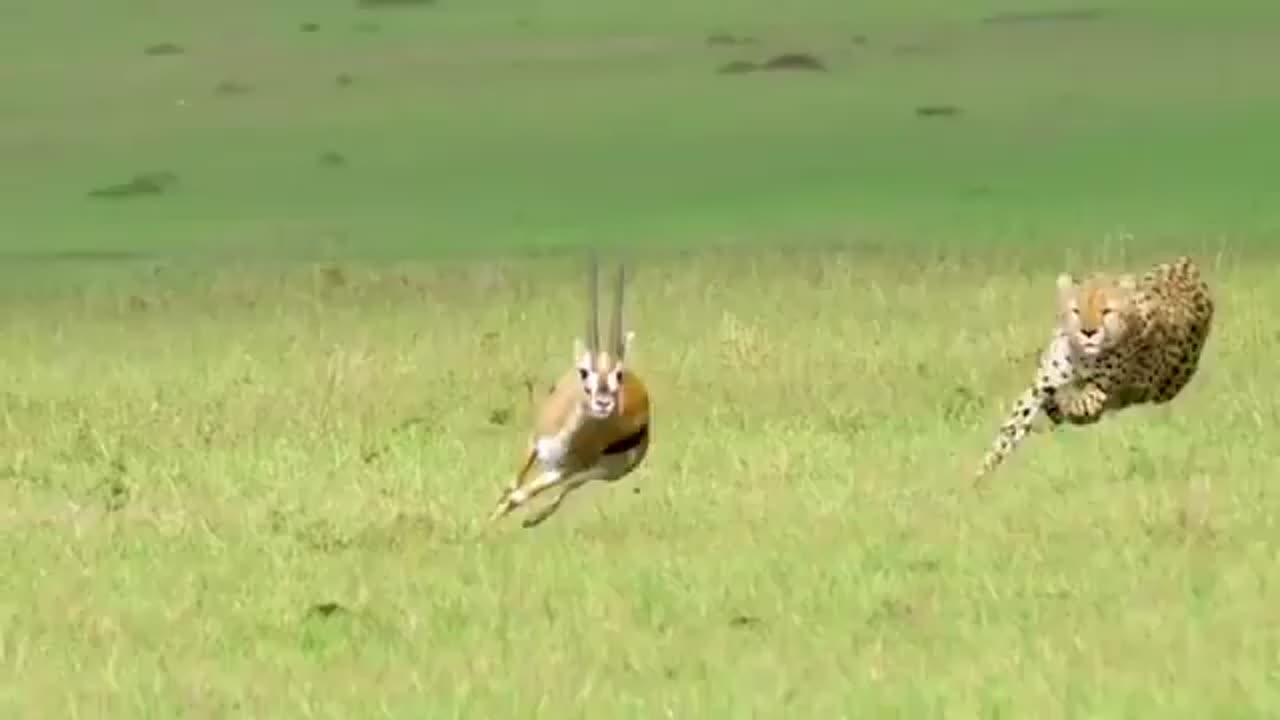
1119 341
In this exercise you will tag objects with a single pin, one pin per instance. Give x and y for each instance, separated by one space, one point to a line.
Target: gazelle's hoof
504 506
509 502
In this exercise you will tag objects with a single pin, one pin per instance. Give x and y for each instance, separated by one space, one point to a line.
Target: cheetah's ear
1066 282
1128 282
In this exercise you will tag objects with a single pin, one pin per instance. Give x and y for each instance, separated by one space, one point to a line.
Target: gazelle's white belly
554 456
552 451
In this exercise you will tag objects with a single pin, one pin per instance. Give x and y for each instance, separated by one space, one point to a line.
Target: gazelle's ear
628 341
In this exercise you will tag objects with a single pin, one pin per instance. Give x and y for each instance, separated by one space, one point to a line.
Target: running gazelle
594 423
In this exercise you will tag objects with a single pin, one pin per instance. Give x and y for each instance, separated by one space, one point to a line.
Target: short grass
262 494
510 127
250 485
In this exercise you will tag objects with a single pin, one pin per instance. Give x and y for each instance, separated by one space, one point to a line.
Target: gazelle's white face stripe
601 383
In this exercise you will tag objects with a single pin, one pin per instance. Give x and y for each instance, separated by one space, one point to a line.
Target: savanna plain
280 280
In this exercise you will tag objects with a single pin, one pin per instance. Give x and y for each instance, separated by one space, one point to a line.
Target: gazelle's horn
593 304
615 320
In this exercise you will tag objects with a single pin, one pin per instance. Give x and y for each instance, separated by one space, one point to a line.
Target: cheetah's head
1098 313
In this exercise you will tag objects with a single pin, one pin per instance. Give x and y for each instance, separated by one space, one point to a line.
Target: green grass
506 127
244 471
189 471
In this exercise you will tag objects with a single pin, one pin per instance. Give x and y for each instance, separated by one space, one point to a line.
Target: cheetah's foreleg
1083 405
1015 428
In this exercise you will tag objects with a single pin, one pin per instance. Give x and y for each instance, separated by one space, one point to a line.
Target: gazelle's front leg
504 502
520 495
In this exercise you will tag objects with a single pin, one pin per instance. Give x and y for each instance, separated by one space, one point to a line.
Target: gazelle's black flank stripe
628 443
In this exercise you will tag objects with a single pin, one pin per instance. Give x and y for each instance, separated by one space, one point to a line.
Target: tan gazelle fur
594 424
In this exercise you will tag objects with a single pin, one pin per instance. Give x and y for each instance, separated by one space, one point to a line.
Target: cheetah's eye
1107 312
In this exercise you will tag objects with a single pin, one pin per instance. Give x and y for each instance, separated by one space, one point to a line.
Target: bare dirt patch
333 159
737 67
786 61
723 39
230 88
164 49
794 61
937 111
148 183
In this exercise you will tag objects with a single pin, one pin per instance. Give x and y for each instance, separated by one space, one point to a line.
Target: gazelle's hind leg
540 516
612 468
518 496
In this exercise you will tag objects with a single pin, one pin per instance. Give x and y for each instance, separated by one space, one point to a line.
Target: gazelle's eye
583 373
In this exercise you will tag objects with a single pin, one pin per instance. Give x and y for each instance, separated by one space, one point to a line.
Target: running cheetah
1120 341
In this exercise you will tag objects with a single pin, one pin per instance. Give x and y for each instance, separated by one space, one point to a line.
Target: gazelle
594 424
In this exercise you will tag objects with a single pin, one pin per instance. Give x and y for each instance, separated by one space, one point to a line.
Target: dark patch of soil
152 183
794 61
326 609
728 39
785 61
228 88
937 111
737 67
332 159
164 48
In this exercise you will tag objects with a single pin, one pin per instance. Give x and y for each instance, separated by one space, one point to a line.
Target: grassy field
251 423
517 127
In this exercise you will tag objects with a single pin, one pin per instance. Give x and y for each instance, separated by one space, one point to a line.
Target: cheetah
1120 341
